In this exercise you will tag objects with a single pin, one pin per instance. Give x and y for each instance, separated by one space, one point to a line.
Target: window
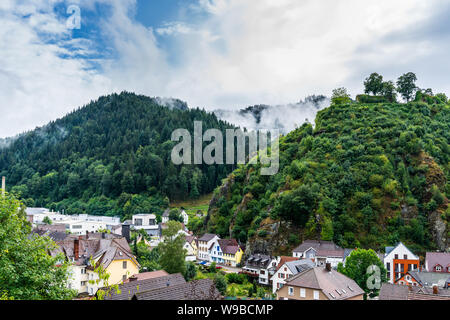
302 293
396 256
83 283
291 291
124 264
138 222
316 295
124 277
438 268
83 270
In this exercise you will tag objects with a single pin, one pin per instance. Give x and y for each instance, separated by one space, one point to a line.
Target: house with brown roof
319 283
287 268
226 252
203 289
110 251
321 252
437 262
127 290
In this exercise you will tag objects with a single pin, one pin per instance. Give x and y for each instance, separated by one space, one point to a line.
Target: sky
213 54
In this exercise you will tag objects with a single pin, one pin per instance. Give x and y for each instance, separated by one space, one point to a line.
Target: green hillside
110 157
366 175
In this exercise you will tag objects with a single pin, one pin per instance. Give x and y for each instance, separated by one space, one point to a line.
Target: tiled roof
322 248
437 258
112 247
300 265
258 261
147 275
195 290
390 291
229 246
207 237
333 284
127 290
428 279
284 259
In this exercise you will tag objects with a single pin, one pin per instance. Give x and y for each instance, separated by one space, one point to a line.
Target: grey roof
333 284
428 279
166 213
300 265
204 289
433 259
390 291
322 248
207 237
33 211
258 261
388 250
129 289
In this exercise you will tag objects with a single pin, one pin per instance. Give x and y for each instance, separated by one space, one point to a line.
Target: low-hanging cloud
237 53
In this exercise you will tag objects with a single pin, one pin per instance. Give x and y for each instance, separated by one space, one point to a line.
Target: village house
288 268
398 261
321 252
262 267
110 251
165 216
319 283
146 222
204 244
191 248
226 252
425 279
437 262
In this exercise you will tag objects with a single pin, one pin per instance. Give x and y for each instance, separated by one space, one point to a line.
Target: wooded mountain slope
111 157
367 175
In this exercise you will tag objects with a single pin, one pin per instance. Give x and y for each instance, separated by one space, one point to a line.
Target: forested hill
367 175
111 156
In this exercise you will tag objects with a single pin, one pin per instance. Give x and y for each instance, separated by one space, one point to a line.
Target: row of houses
210 248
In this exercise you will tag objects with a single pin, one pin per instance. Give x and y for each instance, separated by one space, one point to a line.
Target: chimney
126 231
87 235
76 249
435 289
3 185
328 266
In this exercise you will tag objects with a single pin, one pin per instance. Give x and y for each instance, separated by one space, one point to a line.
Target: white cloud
244 52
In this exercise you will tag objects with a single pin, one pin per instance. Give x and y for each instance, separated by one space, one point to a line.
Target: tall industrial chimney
3 185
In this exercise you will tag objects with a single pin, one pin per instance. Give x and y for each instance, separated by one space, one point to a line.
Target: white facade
320 261
400 252
215 253
185 217
190 252
203 248
280 276
80 227
146 222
